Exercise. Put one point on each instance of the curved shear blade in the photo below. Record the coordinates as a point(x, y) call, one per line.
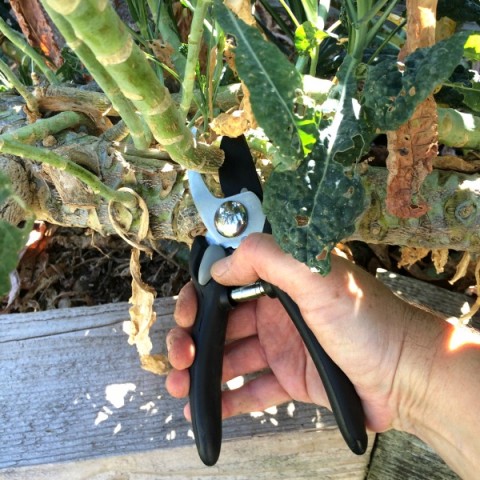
point(207, 206)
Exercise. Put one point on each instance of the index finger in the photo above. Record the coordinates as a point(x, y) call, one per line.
point(186, 306)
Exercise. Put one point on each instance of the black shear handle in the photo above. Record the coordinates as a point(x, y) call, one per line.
point(344, 400)
point(206, 372)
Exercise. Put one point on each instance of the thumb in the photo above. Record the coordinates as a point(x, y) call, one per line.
point(259, 257)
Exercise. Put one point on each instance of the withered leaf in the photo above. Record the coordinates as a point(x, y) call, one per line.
point(411, 255)
point(440, 259)
point(413, 146)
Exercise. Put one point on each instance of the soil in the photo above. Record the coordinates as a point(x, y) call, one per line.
point(68, 267)
point(71, 267)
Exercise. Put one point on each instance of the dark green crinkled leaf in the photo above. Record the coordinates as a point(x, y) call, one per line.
point(272, 81)
point(12, 240)
point(459, 10)
point(390, 96)
point(313, 208)
point(345, 135)
point(471, 97)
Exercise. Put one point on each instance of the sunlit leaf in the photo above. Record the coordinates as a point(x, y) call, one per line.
point(273, 83)
point(307, 37)
point(313, 208)
point(345, 136)
point(472, 47)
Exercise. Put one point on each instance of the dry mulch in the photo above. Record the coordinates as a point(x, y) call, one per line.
point(70, 267)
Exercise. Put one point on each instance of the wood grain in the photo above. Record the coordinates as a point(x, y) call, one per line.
point(75, 404)
point(71, 388)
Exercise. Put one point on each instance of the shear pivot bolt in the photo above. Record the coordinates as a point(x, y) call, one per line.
point(231, 219)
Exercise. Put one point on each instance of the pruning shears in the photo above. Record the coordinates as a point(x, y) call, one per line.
point(228, 220)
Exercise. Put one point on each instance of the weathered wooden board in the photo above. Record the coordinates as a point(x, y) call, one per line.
point(399, 456)
point(425, 295)
point(71, 391)
point(71, 388)
point(294, 455)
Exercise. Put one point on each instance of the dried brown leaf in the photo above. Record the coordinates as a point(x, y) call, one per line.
point(243, 9)
point(445, 28)
point(142, 317)
point(156, 363)
point(411, 150)
point(230, 124)
point(465, 318)
point(421, 25)
point(411, 255)
point(246, 106)
point(462, 268)
point(163, 52)
point(229, 55)
point(413, 146)
point(37, 29)
point(142, 313)
point(440, 259)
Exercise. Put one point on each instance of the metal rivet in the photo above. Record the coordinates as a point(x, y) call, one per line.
point(231, 219)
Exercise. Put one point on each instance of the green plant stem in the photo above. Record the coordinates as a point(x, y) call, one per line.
point(361, 30)
point(190, 6)
point(351, 11)
point(321, 18)
point(386, 41)
point(170, 36)
point(30, 100)
point(372, 12)
point(139, 132)
point(378, 24)
point(22, 45)
point(43, 155)
point(290, 13)
point(37, 131)
point(194, 43)
point(98, 25)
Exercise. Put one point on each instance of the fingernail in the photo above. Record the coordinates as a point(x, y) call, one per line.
point(220, 267)
point(169, 341)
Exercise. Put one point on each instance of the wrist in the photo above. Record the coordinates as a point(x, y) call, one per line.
point(438, 386)
point(416, 377)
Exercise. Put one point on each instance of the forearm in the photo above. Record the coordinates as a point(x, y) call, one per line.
point(443, 412)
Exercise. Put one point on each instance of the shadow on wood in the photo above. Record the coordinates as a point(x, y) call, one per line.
point(71, 389)
point(75, 404)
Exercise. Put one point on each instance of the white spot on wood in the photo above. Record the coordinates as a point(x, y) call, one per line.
point(117, 392)
point(101, 417)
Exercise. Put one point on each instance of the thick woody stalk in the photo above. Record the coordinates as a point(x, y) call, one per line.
point(99, 27)
point(11, 147)
point(140, 134)
point(452, 221)
point(37, 131)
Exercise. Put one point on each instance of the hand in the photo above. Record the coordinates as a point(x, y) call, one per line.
point(359, 322)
